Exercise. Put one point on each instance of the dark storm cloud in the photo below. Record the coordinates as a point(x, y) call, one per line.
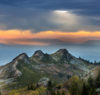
point(36, 14)
point(86, 6)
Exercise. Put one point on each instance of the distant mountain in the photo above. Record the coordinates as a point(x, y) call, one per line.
point(58, 66)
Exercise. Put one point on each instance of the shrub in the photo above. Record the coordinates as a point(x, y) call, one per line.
point(75, 85)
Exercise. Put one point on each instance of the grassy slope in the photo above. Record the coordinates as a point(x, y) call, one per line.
point(28, 76)
point(24, 91)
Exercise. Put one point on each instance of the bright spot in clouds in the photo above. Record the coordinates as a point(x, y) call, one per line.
point(61, 11)
point(65, 19)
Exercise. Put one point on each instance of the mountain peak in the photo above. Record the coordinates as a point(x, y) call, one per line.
point(38, 53)
point(23, 57)
point(10, 70)
point(64, 51)
point(62, 55)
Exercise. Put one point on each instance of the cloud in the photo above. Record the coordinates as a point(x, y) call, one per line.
point(66, 20)
point(27, 37)
point(86, 7)
point(39, 20)
point(41, 15)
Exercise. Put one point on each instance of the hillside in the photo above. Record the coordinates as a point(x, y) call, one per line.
point(59, 66)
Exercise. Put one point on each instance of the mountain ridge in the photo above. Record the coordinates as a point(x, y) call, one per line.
point(58, 66)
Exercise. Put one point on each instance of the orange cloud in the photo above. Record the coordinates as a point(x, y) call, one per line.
point(14, 36)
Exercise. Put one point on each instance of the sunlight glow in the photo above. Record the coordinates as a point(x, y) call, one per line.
point(27, 37)
point(61, 11)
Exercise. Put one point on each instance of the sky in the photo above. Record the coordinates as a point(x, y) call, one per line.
point(50, 22)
